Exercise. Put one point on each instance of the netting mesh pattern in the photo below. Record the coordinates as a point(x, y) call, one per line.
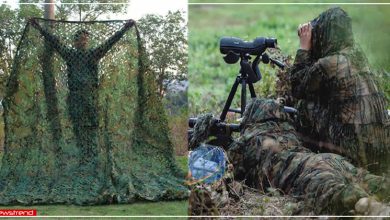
point(83, 122)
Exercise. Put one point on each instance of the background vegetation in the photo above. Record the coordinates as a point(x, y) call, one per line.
point(211, 78)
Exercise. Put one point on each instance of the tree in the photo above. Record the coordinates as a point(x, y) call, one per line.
point(87, 12)
point(166, 44)
point(11, 28)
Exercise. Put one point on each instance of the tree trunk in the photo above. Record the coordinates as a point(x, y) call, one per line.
point(49, 9)
point(49, 80)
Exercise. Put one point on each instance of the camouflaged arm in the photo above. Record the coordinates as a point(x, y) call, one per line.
point(302, 58)
point(306, 77)
point(102, 49)
point(54, 42)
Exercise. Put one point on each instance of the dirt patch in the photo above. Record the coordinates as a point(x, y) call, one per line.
point(255, 203)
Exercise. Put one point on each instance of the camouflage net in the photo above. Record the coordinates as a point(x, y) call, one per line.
point(83, 121)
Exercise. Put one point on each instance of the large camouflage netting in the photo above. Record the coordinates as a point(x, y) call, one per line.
point(83, 121)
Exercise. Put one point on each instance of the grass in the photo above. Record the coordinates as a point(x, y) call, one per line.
point(171, 208)
point(211, 78)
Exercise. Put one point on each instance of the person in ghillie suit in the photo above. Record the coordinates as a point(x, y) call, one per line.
point(269, 153)
point(341, 109)
point(341, 114)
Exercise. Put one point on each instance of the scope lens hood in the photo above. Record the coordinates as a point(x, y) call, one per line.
point(231, 57)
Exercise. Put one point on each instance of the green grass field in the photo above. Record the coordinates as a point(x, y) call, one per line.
point(211, 78)
point(171, 208)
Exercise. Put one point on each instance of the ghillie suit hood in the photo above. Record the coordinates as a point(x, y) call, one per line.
point(332, 32)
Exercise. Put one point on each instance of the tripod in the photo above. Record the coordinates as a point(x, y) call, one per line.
point(246, 77)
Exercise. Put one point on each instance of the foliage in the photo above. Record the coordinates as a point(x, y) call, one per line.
point(182, 162)
point(166, 43)
point(87, 12)
point(178, 131)
point(11, 28)
point(165, 36)
point(211, 78)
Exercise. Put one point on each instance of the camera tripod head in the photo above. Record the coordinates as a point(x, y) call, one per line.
point(238, 49)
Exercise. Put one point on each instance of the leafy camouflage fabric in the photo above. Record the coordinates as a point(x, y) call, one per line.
point(270, 154)
point(211, 199)
point(201, 130)
point(341, 108)
point(201, 203)
point(83, 121)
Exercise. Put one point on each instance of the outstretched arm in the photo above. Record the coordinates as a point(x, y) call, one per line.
point(52, 40)
point(102, 49)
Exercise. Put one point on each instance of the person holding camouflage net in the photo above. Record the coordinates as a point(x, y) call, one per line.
point(82, 70)
point(269, 154)
point(341, 109)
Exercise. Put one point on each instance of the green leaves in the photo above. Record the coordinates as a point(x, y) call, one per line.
point(166, 44)
point(88, 12)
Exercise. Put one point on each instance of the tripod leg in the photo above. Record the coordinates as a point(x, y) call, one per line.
point(252, 90)
point(243, 96)
point(230, 99)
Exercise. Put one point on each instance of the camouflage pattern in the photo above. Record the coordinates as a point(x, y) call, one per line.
point(209, 199)
point(105, 138)
point(201, 130)
point(200, 202)
point(83, 82)
point(270, 154)
point(341, 109)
